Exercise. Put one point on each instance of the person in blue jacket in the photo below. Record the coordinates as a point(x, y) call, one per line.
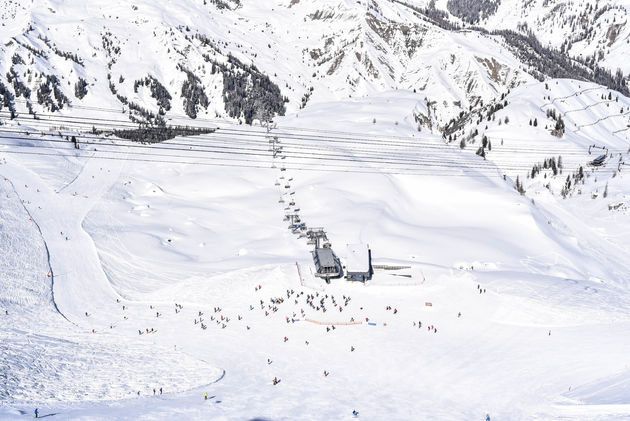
point(36, 413)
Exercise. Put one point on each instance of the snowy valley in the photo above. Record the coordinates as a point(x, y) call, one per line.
point(164, 165)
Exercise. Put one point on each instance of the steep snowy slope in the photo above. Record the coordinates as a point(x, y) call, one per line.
point(196, 59)
point(548, 135)
point(597, 31)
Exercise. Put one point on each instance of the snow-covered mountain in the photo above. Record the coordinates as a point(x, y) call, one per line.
point(150, 270)
point(597, 31)
point(225, 59)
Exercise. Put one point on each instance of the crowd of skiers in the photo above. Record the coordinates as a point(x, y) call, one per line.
point(313, 302)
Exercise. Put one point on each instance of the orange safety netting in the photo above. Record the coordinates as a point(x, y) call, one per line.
point(332, 323)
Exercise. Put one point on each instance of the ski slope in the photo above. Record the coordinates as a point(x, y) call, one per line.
point(544, 339)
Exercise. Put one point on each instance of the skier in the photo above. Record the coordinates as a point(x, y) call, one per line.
point(160, 390)
point(351, 348)
point(487, 417)
point(36, 413)
point(205, 396)
point(355, 412)
point(269, 361)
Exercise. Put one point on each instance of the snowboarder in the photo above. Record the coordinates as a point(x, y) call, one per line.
point(351, 348)
point(487, 417)
point(205, 396)
point(269, 361)
point(275, 381)
point(355, 412)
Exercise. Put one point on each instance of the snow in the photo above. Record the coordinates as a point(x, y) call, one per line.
point(552, 317)
point(111, 256)
point(357, 258)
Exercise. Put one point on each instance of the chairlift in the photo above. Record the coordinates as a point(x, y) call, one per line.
point(604, 148)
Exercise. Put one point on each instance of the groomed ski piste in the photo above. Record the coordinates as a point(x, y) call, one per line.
point(110, 262)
